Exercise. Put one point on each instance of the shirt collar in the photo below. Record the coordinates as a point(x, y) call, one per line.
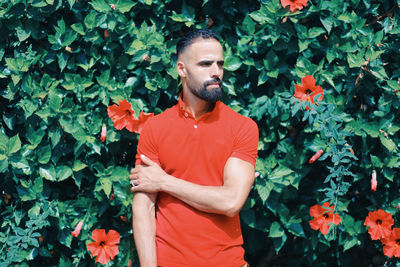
point(187, 114)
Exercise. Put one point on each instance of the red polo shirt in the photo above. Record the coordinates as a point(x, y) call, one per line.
point(196, 151)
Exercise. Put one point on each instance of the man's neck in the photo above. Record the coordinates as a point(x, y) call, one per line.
point(196, 106)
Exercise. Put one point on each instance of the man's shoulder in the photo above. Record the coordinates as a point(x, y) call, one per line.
point(164, 117)
point(237, 118)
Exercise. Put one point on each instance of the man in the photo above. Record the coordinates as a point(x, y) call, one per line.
point(194, 169)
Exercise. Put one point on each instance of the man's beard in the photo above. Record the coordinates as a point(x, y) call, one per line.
point(212, 95)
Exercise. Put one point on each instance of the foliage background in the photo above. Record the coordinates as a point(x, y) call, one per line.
point(62, 63)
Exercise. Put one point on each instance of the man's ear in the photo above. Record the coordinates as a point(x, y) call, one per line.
point(180, 68)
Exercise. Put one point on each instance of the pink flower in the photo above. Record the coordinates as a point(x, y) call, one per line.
point(77, 230)
point(103, 134)
point(112, 6)
point(374, 182)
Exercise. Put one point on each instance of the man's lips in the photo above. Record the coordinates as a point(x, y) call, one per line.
point(215, 84)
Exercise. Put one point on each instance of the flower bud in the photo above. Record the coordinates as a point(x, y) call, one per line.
point(316, 156)
point(374, 182)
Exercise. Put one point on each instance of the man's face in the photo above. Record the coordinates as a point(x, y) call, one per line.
point(203, 61)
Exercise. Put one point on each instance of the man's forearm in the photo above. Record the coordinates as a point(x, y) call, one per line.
point(214, 199)
point(144, 228)
point(226, 199)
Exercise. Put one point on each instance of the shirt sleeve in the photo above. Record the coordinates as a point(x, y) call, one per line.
point(147, 143)
point(246, 141)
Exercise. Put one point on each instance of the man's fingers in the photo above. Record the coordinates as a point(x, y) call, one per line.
point(146, 160)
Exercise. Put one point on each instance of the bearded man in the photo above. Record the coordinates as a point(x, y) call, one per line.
point(194, 168)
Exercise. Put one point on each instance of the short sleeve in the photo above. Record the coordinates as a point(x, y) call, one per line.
point(246, 141)
point(148, 143)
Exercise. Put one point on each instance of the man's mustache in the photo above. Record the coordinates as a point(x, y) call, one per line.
point(215, 80)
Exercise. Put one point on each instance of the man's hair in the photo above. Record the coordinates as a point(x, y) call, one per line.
point(191, 36)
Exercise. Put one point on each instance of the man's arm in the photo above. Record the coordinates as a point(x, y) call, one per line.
point(227, 199)
point(144, 227)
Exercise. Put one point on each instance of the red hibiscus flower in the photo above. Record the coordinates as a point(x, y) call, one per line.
point(104, 247)
point(308, 90)
point(391, 244)
point(123, 117)
point(294, 4)
point(380, 223)
point(323, 216)
point(103, 134)
point(143, 117)
point(78, 229)
point(374, 182)
point(316, 156)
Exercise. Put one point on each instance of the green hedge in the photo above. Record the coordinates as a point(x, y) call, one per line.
point(63, 63)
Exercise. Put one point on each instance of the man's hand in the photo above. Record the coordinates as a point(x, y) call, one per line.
point(147, 177)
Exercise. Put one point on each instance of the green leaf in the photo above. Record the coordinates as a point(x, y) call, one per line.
point(315, 32)
point(262, 78)
point(48, 172)
point(78, 27)
point(22, 34)
point(372, 129)
point(100, 5)
point(71, 3)
point(376, 162)
point(78, 165)
point(106, 185)
point(279, 242)
point(276, 230)
point(279, 172)
point(55, 101)
point(355, 60)
point(327, 23)
point(44, 154)
point(14, 144)
point(232, 63)
point(351, 243)
point(388, 143)
point(39, 3)
point(125, 5)
point(63, 172)
point(264, 190)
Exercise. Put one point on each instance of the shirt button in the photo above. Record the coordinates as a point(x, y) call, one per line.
point(195, 126)
point(186, 115)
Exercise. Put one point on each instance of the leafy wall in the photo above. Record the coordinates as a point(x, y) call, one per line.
point(63, 63)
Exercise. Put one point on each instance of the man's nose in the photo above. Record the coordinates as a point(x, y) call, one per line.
point(216, 71)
